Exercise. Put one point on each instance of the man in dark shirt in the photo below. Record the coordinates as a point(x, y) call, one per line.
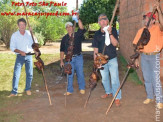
point(77, 59)
point(110, 50)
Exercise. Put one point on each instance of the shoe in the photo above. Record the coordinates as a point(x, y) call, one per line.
point(147, 101)
point(117, 102)
point(67, 93)
point(106, 95)
point(159, 105)
point(28, 92)
point(12, 95)
point(82, 91)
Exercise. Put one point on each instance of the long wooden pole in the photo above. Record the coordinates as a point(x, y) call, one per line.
point(69, 62)
point(124, 79)
point(46, 87)
point(42, 70)
point(28, 21)
point(112, 19)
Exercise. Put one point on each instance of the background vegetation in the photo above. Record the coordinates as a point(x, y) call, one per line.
point(51, 28)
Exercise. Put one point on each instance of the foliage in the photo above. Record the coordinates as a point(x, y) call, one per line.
point(40, 38)
point(91, 9)
point(52, 28)
point(7, 25)
point(94, 27)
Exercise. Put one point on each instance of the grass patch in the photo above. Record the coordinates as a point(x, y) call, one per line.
point(7, 62)
point(132, 73)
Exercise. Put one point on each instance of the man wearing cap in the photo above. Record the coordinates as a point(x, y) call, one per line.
point(77, 59)
point(150, 58)
point(108, 36)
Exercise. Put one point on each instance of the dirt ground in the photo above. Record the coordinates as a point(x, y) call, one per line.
point(132, 108)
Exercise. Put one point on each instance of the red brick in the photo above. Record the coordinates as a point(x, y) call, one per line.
point(148, 1)
point(161, 63)
point(146, 7)
point(161, 75)
point(161, 55)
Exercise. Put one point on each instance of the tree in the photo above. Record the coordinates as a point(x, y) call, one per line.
point(51, 28)
point(8, 24)
point(91, 9)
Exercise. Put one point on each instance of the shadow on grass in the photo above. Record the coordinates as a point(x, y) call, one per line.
point(132, 75)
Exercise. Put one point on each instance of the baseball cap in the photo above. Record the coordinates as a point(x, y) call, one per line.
point(149, 14)
point(68, 23)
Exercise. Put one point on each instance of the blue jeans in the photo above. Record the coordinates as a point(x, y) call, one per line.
point(77, 64)
point(151, 72)
point(20, 60)
point(113, 85)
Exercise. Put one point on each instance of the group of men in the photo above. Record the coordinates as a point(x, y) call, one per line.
point(21, 43)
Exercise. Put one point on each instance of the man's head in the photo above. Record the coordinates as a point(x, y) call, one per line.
point(21, 24)
point(146, 18)
point(103, 20)
point(69, 27)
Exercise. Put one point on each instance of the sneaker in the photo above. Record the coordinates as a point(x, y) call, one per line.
point(159, 105)
point(106, 95)
point(117, 102)
point(12, 95)
point(147, 101)
point(82, 91)
point(67, 93)
point(28, 92)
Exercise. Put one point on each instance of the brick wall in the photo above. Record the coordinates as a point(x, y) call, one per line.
point(131, 12)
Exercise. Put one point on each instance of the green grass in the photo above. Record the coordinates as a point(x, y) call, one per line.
point(7, 62)
point(132, 76)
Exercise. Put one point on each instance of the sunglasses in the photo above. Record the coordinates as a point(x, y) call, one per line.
point(103, 19)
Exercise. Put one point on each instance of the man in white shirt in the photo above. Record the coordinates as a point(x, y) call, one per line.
point(21, 43)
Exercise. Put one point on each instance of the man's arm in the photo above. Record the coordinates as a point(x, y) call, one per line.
point(61, 59)
point(112, 38)
point(20, 52)
point(95, 52)
point(62, 51)
point(80, 24)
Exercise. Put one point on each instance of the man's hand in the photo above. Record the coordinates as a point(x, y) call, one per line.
point(137, 63)
point(157, 6)
point(62, 64)
point(22, 53)
point(110, 30)
point(30, 29)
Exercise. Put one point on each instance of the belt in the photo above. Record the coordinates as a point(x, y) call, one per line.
point(28, 53)
point(76, 55)
point(153, 53)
